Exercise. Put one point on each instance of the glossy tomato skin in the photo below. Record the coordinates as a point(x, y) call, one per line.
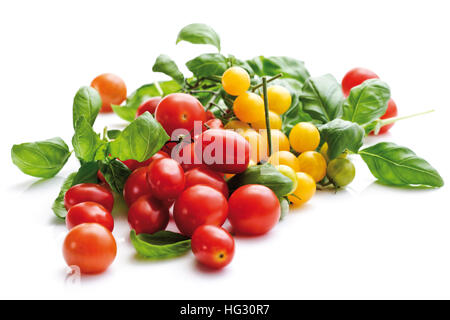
point(133, 164)
point(89, 192)
point(212, 246)
point(166, 178)
point(136, 186)
point(148, 105)
point(86, 212)
point(91, 247)
point(187, 158)
point(355, 77)
point(148, 215)
point(223, 150)
point(179, 111)
point(391, 112)
point(208, 178)
point(112, 90)
point(199, 205)
point(253, 210)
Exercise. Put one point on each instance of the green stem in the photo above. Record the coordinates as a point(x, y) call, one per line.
point(266, 113)
point(384, 122)
point(214, 78)
point(202, 91)
point(105, 131)
point(158, 87)
point(254, 88)
point(213, 99)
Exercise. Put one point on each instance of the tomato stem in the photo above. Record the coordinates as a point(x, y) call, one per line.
point(254, 88)
point(158, 87)
point(383, 122)
point(266, 113)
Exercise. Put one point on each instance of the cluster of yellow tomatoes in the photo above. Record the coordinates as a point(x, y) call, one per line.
point(305, 169)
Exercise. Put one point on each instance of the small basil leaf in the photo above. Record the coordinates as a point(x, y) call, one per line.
point(167, 66)
point(367, 102)
point(289, 67)
point(86, 143)
point(341, 135)
point(322, 98)
point(42, 159)
point(160, 245)
point(113, 134)
point(266, 175)
point(87, 173)
point(284, 204)
point(243, 64)
point(128, 111)
point(208, 64)
point(58, 205)
point(87, 104)
point(140, 140)
point(394, 165)
point(199, 33)
point(116, 174)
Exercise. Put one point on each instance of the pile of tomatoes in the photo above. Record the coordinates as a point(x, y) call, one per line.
point(183, 182)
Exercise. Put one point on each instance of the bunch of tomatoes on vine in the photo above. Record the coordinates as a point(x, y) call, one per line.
point(238, 141)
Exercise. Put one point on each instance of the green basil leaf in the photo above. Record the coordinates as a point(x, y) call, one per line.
point(116, 174)
point(87, 104)
point(87, 173)
point(128, 111)
point(199, 33)
point(42, 159)
point(58, 205)
point(208, 64)
point(160, 245)
point(113, 134)
point(86, 143)
point(241, 63)
point(284, 204)
point(140, 140)
point(322, 98)
point(264, 174)
point(341, 135)
point(289, 67)
point(367, 102)
point(167, 66)
point(394, 165)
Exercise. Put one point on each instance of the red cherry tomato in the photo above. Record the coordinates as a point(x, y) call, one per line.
point(223, 150)
point(208, 178)
point(101, 177)
point(253, 209)
point(179, 111)
point(354, 78)
point(187, 158)
point(89, 192)
point(199, 205)
point(133, 164)
point(91, 247)
point(88, 211)
point(212, 246)
point(166, 178)
point(136, 186)
point(210, 115)
point(148, 215)
point(213, 124)
point(391, 112)
point(148, 105)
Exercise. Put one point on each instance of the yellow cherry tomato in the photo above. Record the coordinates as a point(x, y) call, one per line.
point(306, 188)
point(237, 125)
point(249, 107)
point(274, 119)
point(324, 153)
point(279, 142)
point(254, 139)
point(314, 164)
point(285, 158)
point(290, 173)
point(235, 81)
point(279, 99)
point(304, 136)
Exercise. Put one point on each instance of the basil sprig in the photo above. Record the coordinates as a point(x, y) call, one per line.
point(160, 245)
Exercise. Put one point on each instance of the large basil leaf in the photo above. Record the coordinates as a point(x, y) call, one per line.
point(86, 143)
point(394, 165)
point(264, 174)
point(58, 205)
point(208, 64)
point(87, 104)
point(367, 102)
point(116, 174)
point(199, 33)
point(42, 159)
point(167, 66)
point(140, 140)
point(289, 67)
point(341, 135)
point(160, 245)
point(322, 98)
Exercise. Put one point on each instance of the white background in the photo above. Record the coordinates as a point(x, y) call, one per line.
point(368, 241)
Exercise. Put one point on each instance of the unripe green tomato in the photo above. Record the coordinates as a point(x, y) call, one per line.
point(290, 173)
point(341, 171)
